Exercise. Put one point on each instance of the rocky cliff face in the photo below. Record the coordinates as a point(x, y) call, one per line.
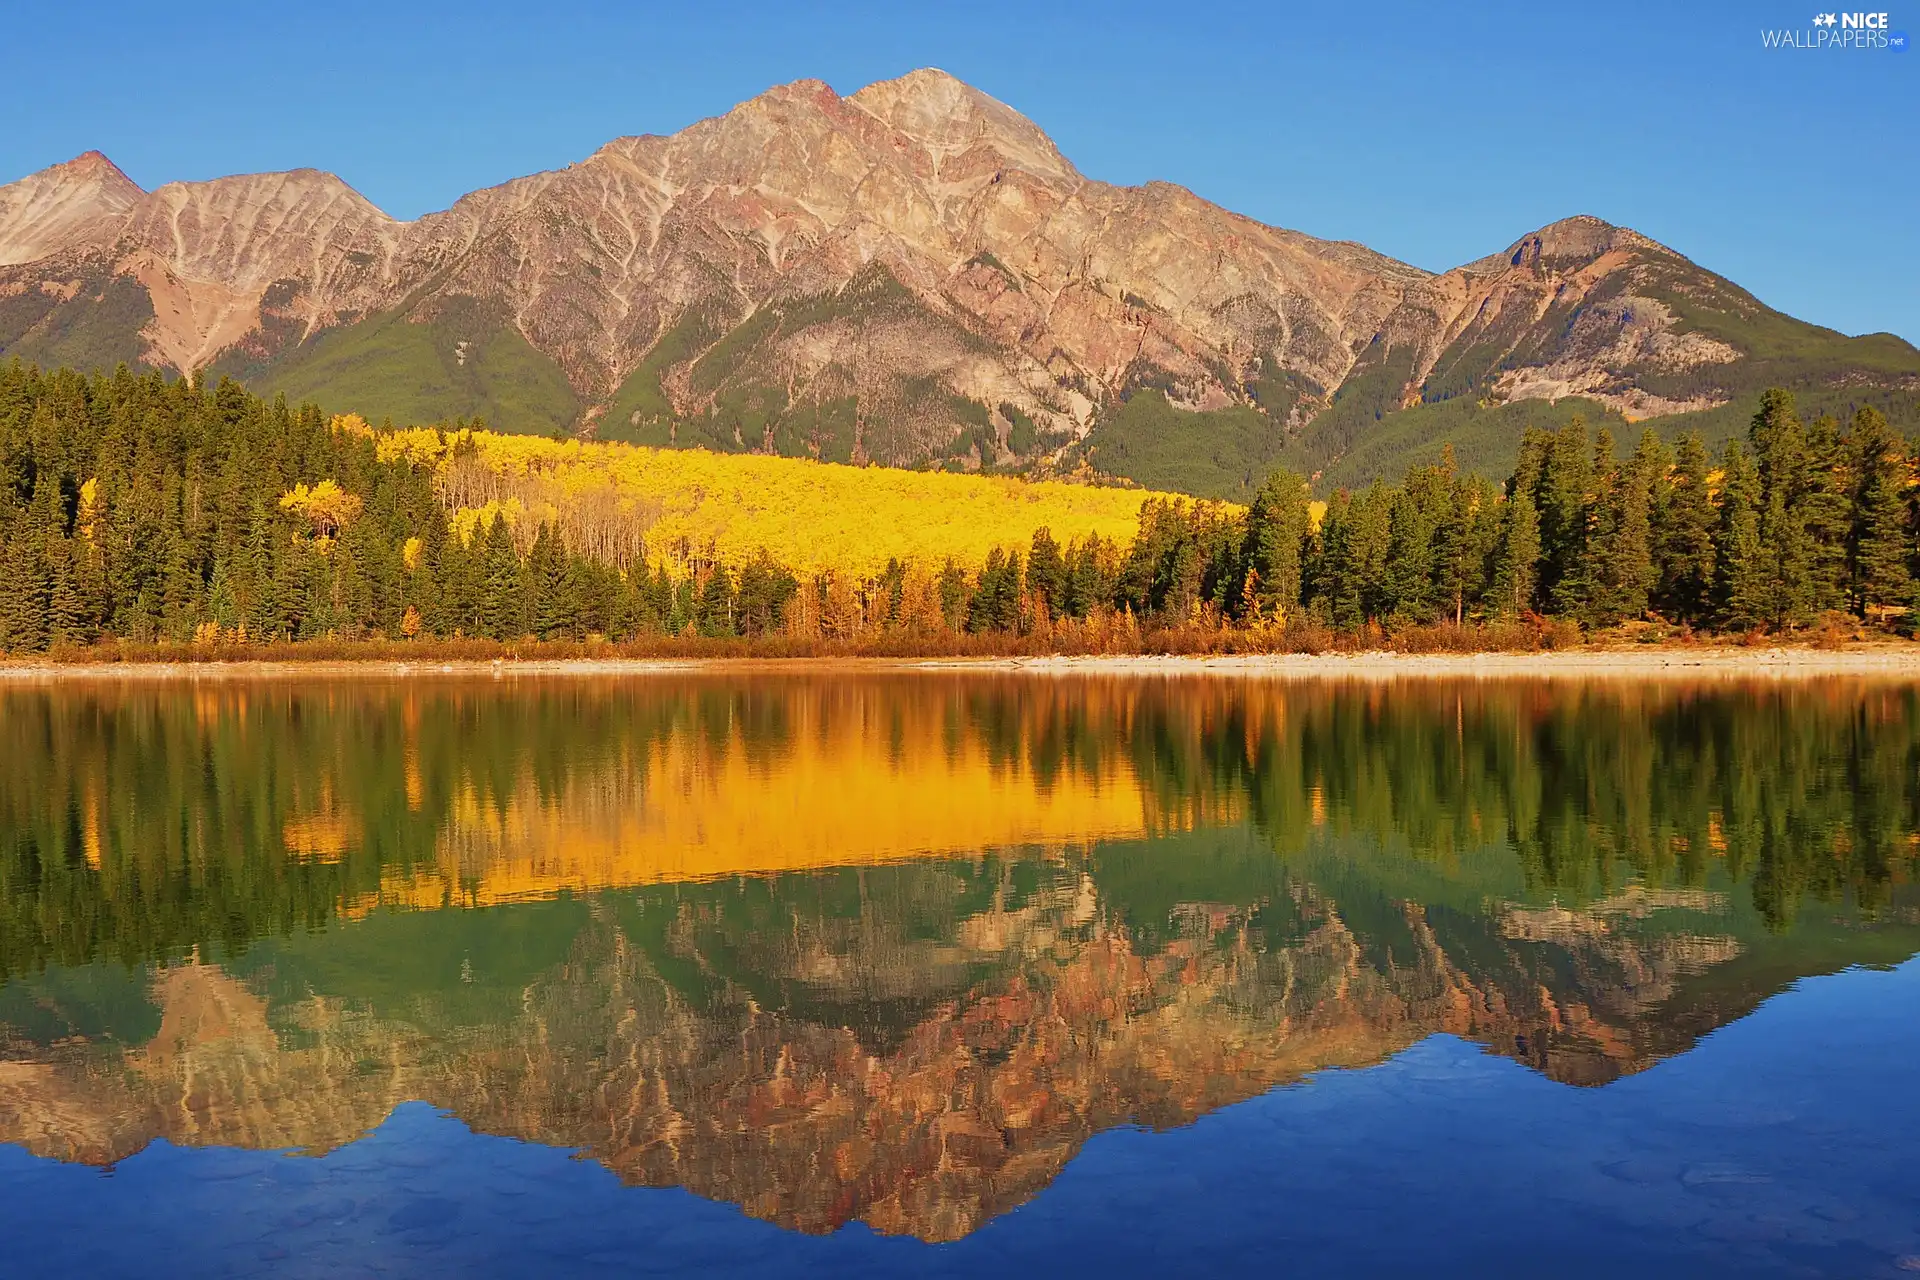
point(910, 273)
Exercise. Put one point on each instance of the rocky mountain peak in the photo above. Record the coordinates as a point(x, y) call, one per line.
point(42, 212)
point(949, 117)
point(1580, 239)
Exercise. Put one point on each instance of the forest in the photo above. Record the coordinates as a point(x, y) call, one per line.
point(137, 509)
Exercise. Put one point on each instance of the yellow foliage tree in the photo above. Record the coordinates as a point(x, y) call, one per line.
point(691, 505)
point(326, 506)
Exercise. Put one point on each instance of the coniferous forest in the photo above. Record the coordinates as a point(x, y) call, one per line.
point(149, 511)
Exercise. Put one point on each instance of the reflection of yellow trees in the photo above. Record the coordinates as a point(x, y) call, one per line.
point(850, 784)
point(137, 821)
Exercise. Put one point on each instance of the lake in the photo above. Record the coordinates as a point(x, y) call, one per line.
point(958, 974)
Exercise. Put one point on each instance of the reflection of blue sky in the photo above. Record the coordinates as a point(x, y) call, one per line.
point(1782, 1143)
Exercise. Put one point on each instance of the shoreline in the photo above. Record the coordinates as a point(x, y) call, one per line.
point(1897, 662)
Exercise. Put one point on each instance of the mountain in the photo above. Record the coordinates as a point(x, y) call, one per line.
point(949, 1034)
point(910, 275)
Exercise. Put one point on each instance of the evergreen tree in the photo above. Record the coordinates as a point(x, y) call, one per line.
point(1619, 571)
point(1743, 586)
point(1414, 515)
point(766, 589)
point(1878, 541)
point(1276, 528)
point(1561, 495)
point(1780, 451)
point(547, 607)
point(66, 607)
point(713, 611)
point(1683, 535)
point(952, 586)
point(1463, 547)
point(996, 599)
point(503, 600)
point(1364, 585)
point(28, 596)
point(1517, 560)
point(1824, 500)
point(1046, 574)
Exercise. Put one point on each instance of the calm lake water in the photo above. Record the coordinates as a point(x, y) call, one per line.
point(959, 975)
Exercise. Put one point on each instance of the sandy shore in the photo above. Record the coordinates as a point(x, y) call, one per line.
point(1880, 661)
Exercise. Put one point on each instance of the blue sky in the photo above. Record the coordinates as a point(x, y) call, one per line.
point(1435, 133)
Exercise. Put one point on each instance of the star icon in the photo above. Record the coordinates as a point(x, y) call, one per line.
point(1824, 20)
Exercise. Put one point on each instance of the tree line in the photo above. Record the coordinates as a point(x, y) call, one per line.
point(138, 507)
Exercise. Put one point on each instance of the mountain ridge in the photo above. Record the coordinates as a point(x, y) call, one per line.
point(911, 274)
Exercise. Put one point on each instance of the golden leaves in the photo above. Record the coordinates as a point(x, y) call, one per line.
point(812, 516)
point(327, 506)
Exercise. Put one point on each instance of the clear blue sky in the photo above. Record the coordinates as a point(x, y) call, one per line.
point(1432, 132)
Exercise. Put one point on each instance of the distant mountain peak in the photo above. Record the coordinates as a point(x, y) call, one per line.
point(95, 164)
point(60, 204)
point(1580, 238)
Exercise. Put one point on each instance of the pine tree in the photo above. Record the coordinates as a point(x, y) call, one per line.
point(1824, 500)
point(1878, 541)
point(953, 595)
point(66, 607)
point(1415, 515)
point(1046, 574)
point(547, 606)
point(1561, 497)
point(1743, 570)
point(1619, 570)
point(1780, 450)
point(503, 601)
point(1683, 535)
point(766, 588)
point(1276, 528)
point(996, 597)
point(713, 611)
point(1517, 558)
point(1364, 574)
point(25, 604)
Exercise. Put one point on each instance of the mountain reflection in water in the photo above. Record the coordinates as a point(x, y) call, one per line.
point(893, 948)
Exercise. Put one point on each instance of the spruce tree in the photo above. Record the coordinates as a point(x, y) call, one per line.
point(1683, 535)
point(1878, 541)
point(713, 610)
point(1046, 574)
point(1562, 498)
point(1328, 580)
point(1780, 452)
point(503, 608)
point(1276, 528)
point(25, 604)
point(546, 569)
point(1463, 545)
point(66, 607)
point(1517, 559)
point(1743, 571)
point(1619, 570)
point(1364, 584)
point(1825, 505)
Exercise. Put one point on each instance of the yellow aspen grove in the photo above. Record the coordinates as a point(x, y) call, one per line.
point(607, 500)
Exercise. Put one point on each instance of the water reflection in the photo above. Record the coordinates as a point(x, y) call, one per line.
point(892, 949)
